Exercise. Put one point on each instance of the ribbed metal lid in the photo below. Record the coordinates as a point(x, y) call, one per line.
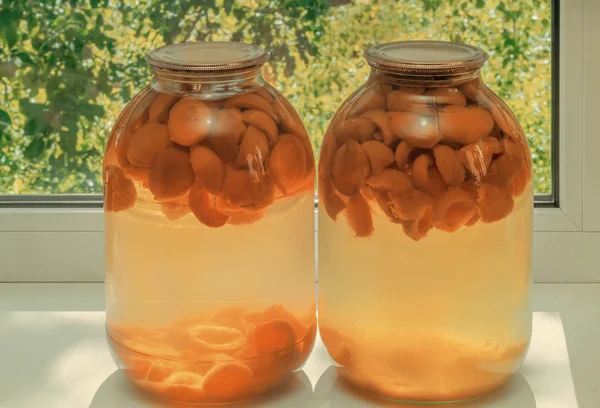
point(426, 57)
point(209, 57)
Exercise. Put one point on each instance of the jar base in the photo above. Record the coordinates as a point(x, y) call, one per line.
point(243, 380)
point(418, 398)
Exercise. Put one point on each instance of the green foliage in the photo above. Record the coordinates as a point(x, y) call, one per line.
point(67, 67)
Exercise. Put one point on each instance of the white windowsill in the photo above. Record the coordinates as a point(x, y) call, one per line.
point(54, 354)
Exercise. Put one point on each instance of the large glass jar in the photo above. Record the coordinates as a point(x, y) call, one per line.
point(209, 209)
point(425, 227)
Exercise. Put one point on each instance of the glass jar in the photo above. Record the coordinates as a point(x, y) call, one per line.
point(209, 212)
point(425, 227)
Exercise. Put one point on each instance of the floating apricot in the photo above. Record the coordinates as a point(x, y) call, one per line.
point(380, 156)
point(119, 192)
point(184, 386)
point(241, 187)
point(494, 203)
point(410, 205)
point(453, 210)
point(176, 209)
point(201, 206)
point(367, 192)
point(215, 338)
point(391, 180)
point(147, 143)
point(464, 124)
point(405, 99)
point(289, 120)
point(402, 153)
point(208, 168)
point(190, 121)
point(446, 96)
point(381, 119)
point(505, 167)
point(368, 100)
point(472, 89)
point(254, 148)
point(137, 173)
point(427, 177)
point(360, 129)
point(520, 181)
point(328, 149)
point(226, 132)
point(419, 129)
point(171, 175)
point(418, 228)
point(227, 381)
point(287, 165)
point(159, 109)
point(265, 94)
point(358, 214)
point(330, 198)
point(350, 168)
point(251, 101)
point(477, 157)
point(262, 121)
point(449, 165)
point(383, 200)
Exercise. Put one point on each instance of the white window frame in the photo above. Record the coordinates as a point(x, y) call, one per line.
point(67, 244)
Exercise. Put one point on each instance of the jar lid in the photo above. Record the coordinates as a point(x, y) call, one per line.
point(208, 57)
point(426, 57)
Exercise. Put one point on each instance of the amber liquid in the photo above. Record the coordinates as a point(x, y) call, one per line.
point(165, 277)
point(446, 318)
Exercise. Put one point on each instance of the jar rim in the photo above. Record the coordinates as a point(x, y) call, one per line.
point(425, 57)
point(207, 57)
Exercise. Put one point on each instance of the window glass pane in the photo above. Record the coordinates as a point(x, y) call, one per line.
point(69, 67)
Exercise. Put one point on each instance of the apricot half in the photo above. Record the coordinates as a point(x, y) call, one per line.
point(227, 381)
point(494, 203)
point(380, 156)
point(159, 109)
point(251, 101)
point(254, 148)
point(226, 133)
point(201, 206)
point(147, 144)
point(262, 121)
point(350, 168)
point(464, 124)
point(208, 168)
point(453, 210)
point(243, 188)
point(190, 121)
point(446, 96)
point(358, 214)
point(171, 175)
point(449, 165)
point(119, 192)
point(328, 195)
point(287, 164)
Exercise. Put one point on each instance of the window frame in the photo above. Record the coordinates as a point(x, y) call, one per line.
point(64, 241)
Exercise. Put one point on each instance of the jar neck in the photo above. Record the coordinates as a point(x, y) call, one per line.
point(215, 85)
point(403, 79)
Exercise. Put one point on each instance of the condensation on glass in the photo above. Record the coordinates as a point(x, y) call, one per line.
point(209, 208)
point(425, 227)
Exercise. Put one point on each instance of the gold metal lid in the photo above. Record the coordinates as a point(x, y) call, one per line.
point(207, 57)
point(426, 57)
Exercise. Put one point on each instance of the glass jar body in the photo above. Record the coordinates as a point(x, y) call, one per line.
point(425, 227)
point(210, 299)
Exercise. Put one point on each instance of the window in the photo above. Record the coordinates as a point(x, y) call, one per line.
point(68, 67)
